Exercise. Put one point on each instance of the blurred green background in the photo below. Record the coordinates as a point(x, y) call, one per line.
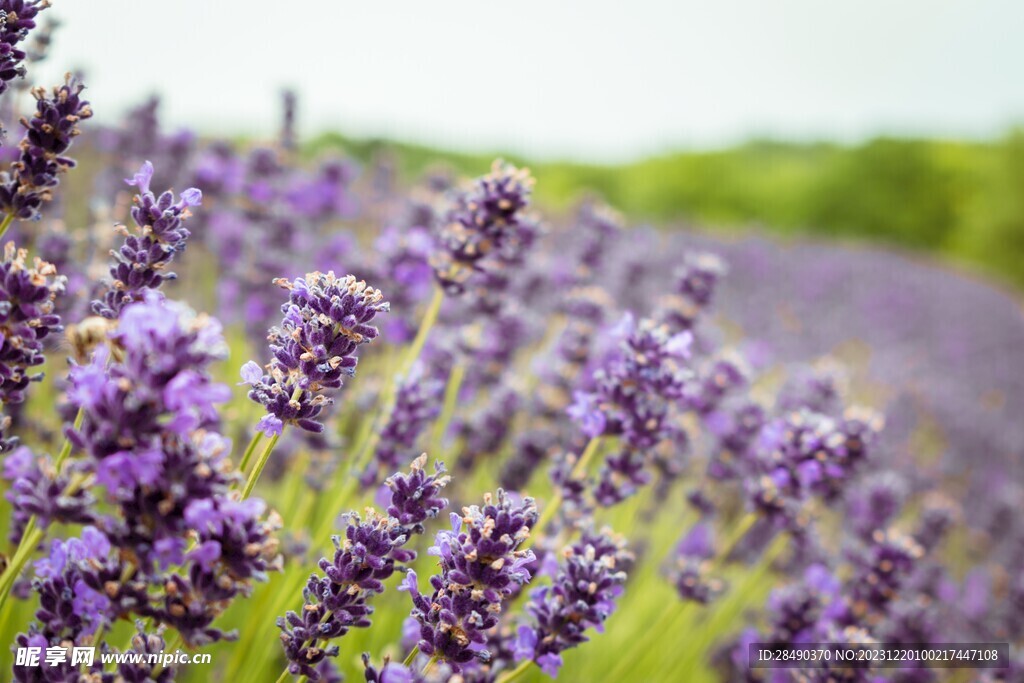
point(961, 201)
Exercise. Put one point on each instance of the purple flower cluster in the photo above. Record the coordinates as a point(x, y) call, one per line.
point(81, 589)
point(48, 136)
point(691, 572)
point(485, 223)
point(325, 321)
point(150, 385)
point(140, 264)
point(805, 454)
point(27, 318)
point(482, 563)
point(582, 596)
point(364, 558)
point(637, 385)
point(148, 437)
point(417, 403)
point(695, 283)
point(17, 18)
point(37, 489)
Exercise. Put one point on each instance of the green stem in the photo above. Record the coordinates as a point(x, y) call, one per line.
point(429, 665)
point(284, 676)
point(674, 611)
point(429, 318)
point(451, 399)
point(523, 667)
point(243, 464)
point(29, 540)
point(257, 468)
point(33, 536)
point(6, 224)
point(578, 470)
point(412, 656)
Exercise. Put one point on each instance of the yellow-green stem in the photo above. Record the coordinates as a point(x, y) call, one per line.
point(6, 224)
point(243, 464)
point(451, 399)
point(429, 318)
point(257, 468)
point(412, 656)
point(429, 665)
point(518, 672)
point(29, 540)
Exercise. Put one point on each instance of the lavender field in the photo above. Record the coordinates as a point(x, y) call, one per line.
point(322, 420)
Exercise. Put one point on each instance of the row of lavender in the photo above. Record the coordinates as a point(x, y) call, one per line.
point(584, 349)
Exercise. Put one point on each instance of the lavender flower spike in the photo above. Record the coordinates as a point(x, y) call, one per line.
point(582, 596)
point(140, 265)
point(326, 319)
point(485, 221)
point(48, 136)
point(482, 564)
point(368, 554)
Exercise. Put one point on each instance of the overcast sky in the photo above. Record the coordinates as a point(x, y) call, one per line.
point(593, 79)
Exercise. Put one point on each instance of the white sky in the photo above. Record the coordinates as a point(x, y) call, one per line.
point(593, 79)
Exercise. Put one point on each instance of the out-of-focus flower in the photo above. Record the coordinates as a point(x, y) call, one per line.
point(17, 18)
point(417, 403)
point(484, 223)
point(36, 489)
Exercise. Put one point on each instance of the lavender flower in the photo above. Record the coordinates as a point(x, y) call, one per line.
point(339, 600)
point(368, 554)
point(417, 403)
point(582, 596)
point(696, 281)
point(637, 385)
point(690, 575)
point(235, 547)
point(27, 318)
point(17, 18)
point(37, 489)
point(482, 563)
point(145, 670)
point(415, 496)
point(484, 223)
point(807, 454)
point(140, 264)
point(158, 383)
point(880, 569)
point(81, 589)
point(325, 321)
point(48, 136)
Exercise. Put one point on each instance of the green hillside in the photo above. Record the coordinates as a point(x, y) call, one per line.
point(961, 200)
